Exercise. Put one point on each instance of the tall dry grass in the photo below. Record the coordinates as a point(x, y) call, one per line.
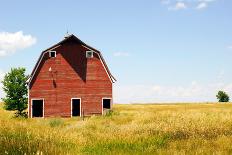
point(130, 129)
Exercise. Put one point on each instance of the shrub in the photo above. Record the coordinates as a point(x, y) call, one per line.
point(110, 113)
point(223, 96)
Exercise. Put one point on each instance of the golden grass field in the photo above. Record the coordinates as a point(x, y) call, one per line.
point(130, 129)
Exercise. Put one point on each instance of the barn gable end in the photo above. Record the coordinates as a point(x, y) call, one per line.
point(74, 39)
point(70, 78)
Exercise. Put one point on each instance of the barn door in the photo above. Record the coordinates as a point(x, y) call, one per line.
point(37, 108)
point(76, 107)
point(106, 103)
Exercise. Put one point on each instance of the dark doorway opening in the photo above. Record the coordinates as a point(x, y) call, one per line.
point(106, 104)
point(37, 108)
point(76, 107)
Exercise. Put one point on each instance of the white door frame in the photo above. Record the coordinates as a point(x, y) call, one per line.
point(80, 106)
point(33, 99)
point(28, 101)
point(110, 103)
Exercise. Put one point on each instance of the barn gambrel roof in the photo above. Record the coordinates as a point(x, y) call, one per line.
point(69, 37)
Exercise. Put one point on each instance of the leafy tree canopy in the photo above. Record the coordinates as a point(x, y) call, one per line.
point(223, 96)
point(14, 85)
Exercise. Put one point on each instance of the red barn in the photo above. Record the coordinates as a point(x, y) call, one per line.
point(69, 79)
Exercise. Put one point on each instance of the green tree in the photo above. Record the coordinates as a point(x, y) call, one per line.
point(223, 96)
point(14, 85)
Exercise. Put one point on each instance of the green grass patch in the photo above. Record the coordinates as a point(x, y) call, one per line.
point(56, 122)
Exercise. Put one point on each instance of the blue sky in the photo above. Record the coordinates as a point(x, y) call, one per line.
point(159, 50)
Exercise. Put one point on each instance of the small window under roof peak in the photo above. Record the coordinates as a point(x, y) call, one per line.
point(89, 54)
point(52, 54)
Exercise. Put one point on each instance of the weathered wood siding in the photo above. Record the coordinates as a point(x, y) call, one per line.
point(72, 76)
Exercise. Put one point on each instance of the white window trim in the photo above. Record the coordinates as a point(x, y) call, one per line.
point(91, 54)
point(80, 106)
point(110, 103)
point(50, 54)
point(32, 104)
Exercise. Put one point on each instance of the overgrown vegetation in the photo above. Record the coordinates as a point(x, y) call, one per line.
point(129, 129)
point(56, 122)
point(14, 85)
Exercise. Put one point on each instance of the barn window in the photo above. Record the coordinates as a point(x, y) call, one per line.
point(89, 54)
point(52, 54)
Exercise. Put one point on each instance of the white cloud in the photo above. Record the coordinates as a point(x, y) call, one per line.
point(202, 5)
point(178, 6)
point(2, 74)
point(194, 92)
point(121, 54)
point(12, 42)
point(185, 4)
